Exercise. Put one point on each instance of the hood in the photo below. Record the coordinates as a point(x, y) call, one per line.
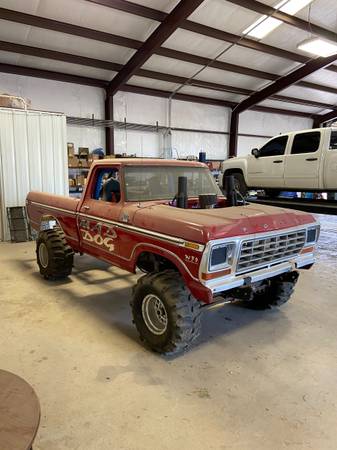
point(203, 225)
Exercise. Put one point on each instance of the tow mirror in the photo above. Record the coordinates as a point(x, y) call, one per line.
point(256, 152)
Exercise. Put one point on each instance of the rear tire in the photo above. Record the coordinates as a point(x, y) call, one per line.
point(54, 255)
point(165, 313)
point(278, 292)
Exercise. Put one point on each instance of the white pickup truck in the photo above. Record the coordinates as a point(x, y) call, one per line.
point(297, 161)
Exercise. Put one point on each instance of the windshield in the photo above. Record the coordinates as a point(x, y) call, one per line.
point(143, 183)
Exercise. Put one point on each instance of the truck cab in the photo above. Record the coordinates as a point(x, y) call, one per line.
point(297, 161)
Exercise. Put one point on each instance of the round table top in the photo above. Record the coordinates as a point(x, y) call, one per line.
point(19, 413)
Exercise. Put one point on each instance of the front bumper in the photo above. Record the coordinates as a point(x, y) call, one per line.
point(219, 285)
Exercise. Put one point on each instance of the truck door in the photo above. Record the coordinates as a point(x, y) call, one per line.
point(99, 213)
point(303, 162)
point(268, 169)
point(330, 164)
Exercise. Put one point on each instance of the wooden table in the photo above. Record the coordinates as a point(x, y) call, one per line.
point(19, 413)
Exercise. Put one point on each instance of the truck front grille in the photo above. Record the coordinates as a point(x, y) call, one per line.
point(261, 252)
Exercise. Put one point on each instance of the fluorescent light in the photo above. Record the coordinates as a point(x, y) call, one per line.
point(318, 46)
point(264, 25)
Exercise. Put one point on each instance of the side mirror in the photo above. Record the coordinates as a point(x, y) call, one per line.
point(256, 152)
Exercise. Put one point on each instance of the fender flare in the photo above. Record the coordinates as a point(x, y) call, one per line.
point(168, 254)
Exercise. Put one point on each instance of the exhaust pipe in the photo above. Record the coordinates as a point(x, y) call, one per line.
point(182, 193)
point(229, 186)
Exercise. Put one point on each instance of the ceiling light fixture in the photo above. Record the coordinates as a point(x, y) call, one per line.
point(264, 25)
point(318, 46)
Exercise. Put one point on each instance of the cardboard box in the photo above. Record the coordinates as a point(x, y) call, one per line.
point(73, 161)
point(12, 101)
point(71, 149)
point(83, 152)
point(80, 180)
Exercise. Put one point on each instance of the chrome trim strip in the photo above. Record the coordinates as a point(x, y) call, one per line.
point(55, 208)
point(166, 237)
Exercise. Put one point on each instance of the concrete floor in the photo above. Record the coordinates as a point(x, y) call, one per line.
point(256, 380)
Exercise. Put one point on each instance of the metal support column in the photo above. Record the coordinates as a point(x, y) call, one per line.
point(233, 134)
point(109, 131)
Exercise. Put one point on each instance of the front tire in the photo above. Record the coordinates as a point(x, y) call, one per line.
point(165, 313)
point(54, 256)
point(278, 291)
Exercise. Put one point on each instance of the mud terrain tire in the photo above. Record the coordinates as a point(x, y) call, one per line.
point(278, 292)
point(165, 313)
point(54, 256)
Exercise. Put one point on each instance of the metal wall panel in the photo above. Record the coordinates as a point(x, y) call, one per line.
point(33, 156)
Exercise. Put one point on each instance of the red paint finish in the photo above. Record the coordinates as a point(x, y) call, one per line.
point(119, 232)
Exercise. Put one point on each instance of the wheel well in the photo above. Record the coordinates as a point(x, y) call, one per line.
point(152, 262)
point(232, 172)
point(48, 222)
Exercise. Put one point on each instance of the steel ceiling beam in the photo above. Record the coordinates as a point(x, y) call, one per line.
point(57, 76)
point(111, 66)
point(50, 75)
point(75, 30)
point(168, 26)
point(322, 119)
point(154, 14)
point(285, 81)
point(293, 21)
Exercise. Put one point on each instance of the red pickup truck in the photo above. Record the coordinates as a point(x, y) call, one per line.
point(170, 220)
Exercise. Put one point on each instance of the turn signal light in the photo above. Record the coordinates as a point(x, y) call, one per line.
point(212, 275)
point(307, 250)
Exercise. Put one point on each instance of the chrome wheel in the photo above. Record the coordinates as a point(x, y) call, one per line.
point(154, 314)
point(43, 255)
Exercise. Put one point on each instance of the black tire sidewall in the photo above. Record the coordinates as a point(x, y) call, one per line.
point(158, 342)
point(60, 254)
point(43, 239)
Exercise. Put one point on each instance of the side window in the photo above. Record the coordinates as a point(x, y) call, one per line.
point(333, 140)
point(306, 143)
point(274, 147)
point(107, 186)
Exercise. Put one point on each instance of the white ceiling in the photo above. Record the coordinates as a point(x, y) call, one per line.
point(220, 14)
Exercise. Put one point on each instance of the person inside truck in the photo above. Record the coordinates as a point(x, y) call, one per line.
point(111, 189)
point(107, 186)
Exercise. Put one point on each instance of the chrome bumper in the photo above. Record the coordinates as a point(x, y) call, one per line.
point(228, 282)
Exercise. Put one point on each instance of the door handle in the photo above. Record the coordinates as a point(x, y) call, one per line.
point(278, 161)
point(311, 159)
point(86, 207)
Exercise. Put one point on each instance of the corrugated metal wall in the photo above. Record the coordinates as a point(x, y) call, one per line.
point(33, 156)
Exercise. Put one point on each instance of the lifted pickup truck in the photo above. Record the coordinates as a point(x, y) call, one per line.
point(169, 219)
point(297, 161)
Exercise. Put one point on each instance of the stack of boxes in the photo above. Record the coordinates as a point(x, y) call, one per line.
point(78, 161)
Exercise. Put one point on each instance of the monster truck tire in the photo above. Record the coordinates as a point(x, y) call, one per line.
point(54, 255)
point(165, 313)
point(278, 292)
